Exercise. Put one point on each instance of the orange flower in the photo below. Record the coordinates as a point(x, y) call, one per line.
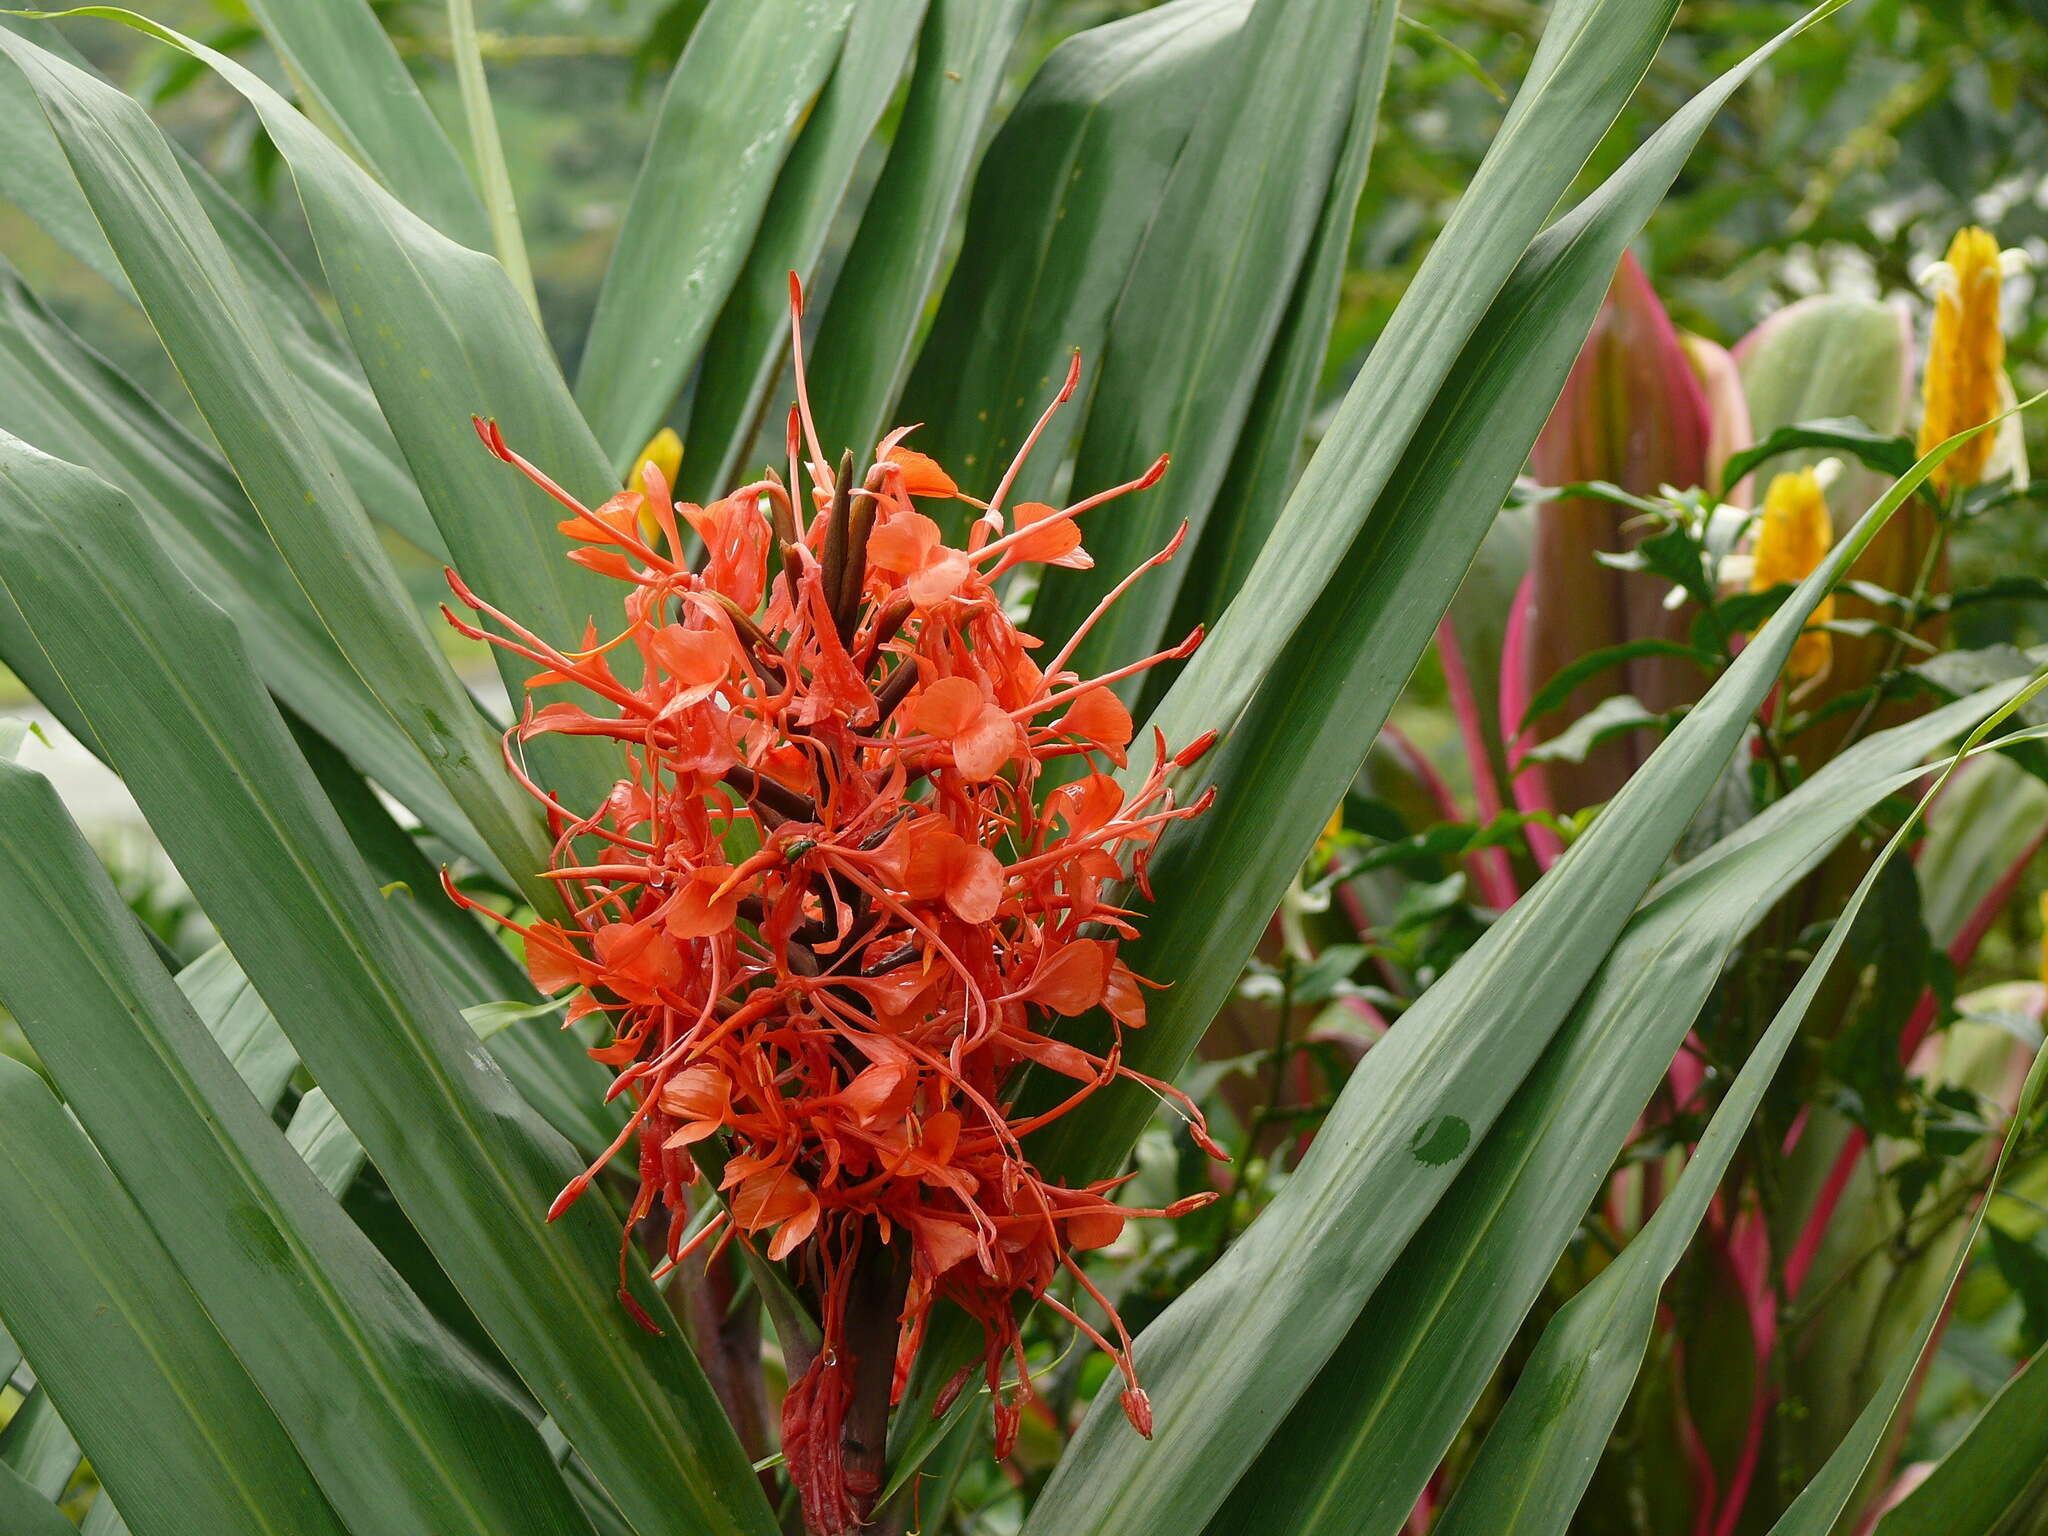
point(833, 1012)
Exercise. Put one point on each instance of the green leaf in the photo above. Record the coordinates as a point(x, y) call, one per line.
point(265, 425)
point(353, 82)
point(396, 1426)
point(1984, 826)
point(1611, 717)
point(1230, 1356)
point(25, 1512)
point(1059, 209)
point(488, 151)
point(1296, 722)
point(865, 341)
point(240, 1024)
point(1269, 449)
point(1567, 679)
point(442, 335)
point(70, 402)
point(1824, 1500)
point(727, 119)
point(38, 1447)
point(37, 178)
point(1884, 452)
point(118, 1341)
point(1362, 1443)
point(1991, 1474)
point(1205, 299)
point(323, 1139)
point(746, 348)
point(214, 769)
point(1535, 1463)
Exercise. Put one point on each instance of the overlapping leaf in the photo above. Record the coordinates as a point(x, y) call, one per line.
point(400, 1431)
point(171, 1420)
point(1207, 294)
point(751, 339)
point(265, 425)
point(1362, 1443)
point(866, 340)
point(731, 110)
point(69, 401)
point(234, 805)
point(1060, 207)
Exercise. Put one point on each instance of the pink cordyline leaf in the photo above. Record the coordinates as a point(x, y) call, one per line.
point(1633, 412)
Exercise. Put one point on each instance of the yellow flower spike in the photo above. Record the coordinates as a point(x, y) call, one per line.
point(1794, 536)
point(664, 451)
point(1966, 358)
point(2044, 940)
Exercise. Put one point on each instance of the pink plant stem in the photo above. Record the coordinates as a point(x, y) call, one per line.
point(1491, 872)
point(1706, 1486)
point(1527, 785)
point(1746, 1252)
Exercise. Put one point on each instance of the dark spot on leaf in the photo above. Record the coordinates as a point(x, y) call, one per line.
point(1439, 1139)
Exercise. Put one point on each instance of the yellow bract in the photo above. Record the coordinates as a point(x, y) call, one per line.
point(1795, 535)
point(664, 451)
point(1966, 359)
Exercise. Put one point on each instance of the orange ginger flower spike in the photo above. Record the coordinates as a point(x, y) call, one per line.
point(841, 1013)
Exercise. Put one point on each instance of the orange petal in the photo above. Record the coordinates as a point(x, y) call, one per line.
point(921, 475)
point(695, 659)
point(940, 578)
point(697, 912)
point(1094, 1229)
point(1098, 716)
point(1055, 541)
point(974, 882)
point(697, 1093)
point(980, 751)
point(903, 543)
point(1073, 981)
point(551, 960)
point(1123, 997)
point(948, 707)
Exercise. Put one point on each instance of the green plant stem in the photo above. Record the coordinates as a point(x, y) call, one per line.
point(489, 152)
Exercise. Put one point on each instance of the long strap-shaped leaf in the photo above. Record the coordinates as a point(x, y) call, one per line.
point(1288, 759)
point(400, 1432)
point(235, 1015)
point(169, 1417)
point(1060, 206)
point(747, 346)
point(265, 425)
point(727, 119)
point(352, 80)
point(214, 769)
point(25, 1512)
point(69, 401)
point(865, 342)
point(1365, 1439)
point(1541, 1452)
point(36, 177)
point(1269, 448)
point(1988, 1476)
point(1228, 1359)
point(1206, 297)
point(38, 1447)
point(443, 335)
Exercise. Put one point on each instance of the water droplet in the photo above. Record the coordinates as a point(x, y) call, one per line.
point(1439, 1139)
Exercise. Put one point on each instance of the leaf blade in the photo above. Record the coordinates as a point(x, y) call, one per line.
point(215, 1455)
